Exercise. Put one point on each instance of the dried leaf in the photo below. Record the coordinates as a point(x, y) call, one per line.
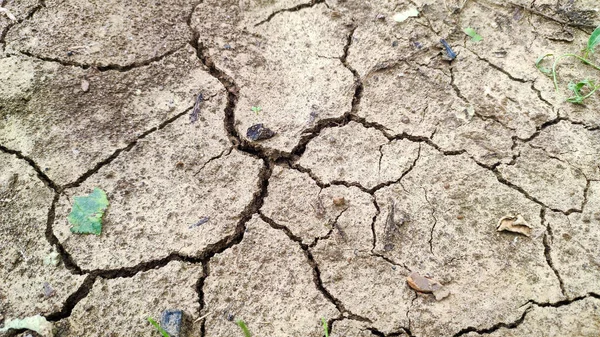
point(403, 16)
point(515, 224)
point(35, 323)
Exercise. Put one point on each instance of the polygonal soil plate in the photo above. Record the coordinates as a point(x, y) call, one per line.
point(266, 281)
point(290, 66)
point(121, 306)
point(440, 221)
point(161, 192)
point(48, 117)
point(580, 318)
point(356, 154)
point(107, 34)
point(34, 281)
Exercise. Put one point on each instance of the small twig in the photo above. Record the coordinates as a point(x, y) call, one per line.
point(203, 317)
point(196, 110)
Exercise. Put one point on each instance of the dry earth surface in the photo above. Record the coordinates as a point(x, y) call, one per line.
point(388, 161)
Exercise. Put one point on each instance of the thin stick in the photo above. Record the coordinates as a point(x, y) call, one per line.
point(203, 317)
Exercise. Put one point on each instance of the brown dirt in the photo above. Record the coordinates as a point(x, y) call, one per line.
point(387, 160)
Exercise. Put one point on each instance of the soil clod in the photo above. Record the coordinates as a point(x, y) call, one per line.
point(339, 201)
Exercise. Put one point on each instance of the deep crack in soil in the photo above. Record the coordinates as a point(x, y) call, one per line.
point(271, 158)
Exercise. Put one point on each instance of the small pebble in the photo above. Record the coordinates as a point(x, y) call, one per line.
point(380, 17)
point(422, 284)
point(85, 85)
point(171, 320)
point(259, 132)
point(395, 44)
point(48, 291)
point(460, 217)
point(52, 259)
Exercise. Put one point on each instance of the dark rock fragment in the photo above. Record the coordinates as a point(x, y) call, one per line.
point(171, 321)
point(259, 132)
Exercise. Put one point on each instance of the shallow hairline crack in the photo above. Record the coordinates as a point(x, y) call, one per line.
point(536, 12)
point(314, 266)
point(223, 153)
point(548, 251)
point(29, 15)
point(40, 173)
point(334, 225)
point(564, 161)
point(496, 326)
point(296, 8)
point(522, 191)
point(434, 222)
point(484, 118)
point(126, 148)
point(516, 79)
point(102, 68)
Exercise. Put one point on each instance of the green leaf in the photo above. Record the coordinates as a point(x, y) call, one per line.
point(244, 328)
point(473, 34)
point(86, 214)
point(578, 96)
point(594, 40)
point(157, 326)
point(325, 326)
point(538, 65)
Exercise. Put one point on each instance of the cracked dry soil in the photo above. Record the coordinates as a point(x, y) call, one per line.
point(427, 155)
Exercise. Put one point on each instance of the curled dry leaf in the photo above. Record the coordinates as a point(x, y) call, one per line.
point(423, 284)
point(515, 224)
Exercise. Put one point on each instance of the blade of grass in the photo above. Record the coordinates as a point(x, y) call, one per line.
point(244, 328)
point(584, 60)
point(593, 41)
point(473, 34)
point(539, 66)
point(157, 326)
point(325, 327)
